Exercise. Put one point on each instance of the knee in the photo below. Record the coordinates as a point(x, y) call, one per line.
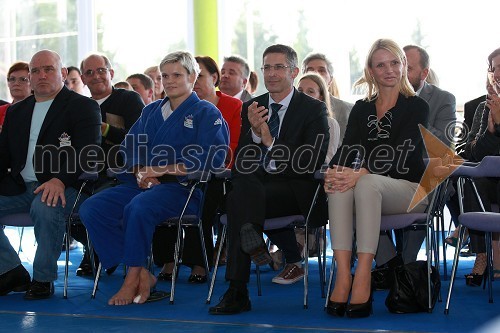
point(87, 209)
point(41, 209)
point(367, 184)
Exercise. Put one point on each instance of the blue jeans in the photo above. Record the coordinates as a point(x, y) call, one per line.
point(50, 226)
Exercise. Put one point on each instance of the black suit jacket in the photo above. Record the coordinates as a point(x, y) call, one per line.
point(72, 125)
point(304, 128)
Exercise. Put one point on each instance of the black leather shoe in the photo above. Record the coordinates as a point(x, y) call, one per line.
point(16, 280)
point(164, 276)
point(196, 278)
point(40, 290)
point(253, 244)
point(336, 309)
point(111, 270)
point(85, 268)
point(360, 310)
point(234, 301)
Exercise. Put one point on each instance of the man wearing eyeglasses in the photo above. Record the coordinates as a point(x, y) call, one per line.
point(42, 154)
point(120, 109)
point(270, 177)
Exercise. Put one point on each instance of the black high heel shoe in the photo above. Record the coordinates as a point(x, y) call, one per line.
point(360, 310)
point(475, 279)
point(336, 309)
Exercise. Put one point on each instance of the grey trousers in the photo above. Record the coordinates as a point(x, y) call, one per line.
point(372, 197)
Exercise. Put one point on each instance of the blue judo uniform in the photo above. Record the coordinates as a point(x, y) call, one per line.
point(121, 220)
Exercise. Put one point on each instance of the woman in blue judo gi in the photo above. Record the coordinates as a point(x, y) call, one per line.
point(173, 136)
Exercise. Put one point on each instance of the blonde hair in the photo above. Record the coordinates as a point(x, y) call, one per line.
point(368, 82)
point(323, 89)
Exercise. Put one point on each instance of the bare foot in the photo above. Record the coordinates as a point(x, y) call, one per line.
point(146, 282)
point(129, 289)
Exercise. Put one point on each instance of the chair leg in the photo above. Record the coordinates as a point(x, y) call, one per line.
point(20, 249)
point(443, 243)
point(204, 250)
point(66, 264)
point(320, 263)
point(454, 268)
point(96, 281)
point(176, 262)
point(489, 267)
point(330, 281)
point(214, 274)
point(306, 267)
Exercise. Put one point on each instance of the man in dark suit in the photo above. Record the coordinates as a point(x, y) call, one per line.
point(46, 143)
point(234, 78)
point(271, 177)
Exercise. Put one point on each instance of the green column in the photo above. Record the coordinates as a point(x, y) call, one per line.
point(206, 38)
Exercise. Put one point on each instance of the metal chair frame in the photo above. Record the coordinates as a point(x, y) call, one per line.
point(295, 221)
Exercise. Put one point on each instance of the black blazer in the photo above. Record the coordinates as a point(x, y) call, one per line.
point(304, 127)
point(72, 123)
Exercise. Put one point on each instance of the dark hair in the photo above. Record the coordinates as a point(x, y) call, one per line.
point(291, 55)
point(490, 58)
point(18, 66)
point(239, 60)
point(424, 56)
point(146, 81)
point(73, 68)
point(253, 81)
point(210, 65)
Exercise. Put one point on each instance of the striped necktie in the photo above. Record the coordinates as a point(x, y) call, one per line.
point(274, 121)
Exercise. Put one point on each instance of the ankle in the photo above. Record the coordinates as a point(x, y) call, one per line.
point(479, 264)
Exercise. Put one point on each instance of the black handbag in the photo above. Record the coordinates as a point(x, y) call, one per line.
point(408, 293)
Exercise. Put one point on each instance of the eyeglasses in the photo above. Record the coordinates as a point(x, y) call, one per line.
point(99, 71)
point(21, 79)
point(278, 68)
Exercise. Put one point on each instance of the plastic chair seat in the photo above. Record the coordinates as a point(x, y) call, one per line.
point(277, 222)
point(482, 221)
point(17, 220)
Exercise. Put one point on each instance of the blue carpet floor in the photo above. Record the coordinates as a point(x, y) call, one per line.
point(279, 309)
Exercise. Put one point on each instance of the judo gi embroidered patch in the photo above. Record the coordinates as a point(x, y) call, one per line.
point(64, 140)
point(188, 121)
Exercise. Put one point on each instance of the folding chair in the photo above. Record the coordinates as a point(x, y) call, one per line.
point(272, 224)
point(20, 220)
point(73, 216)
point(196, 180)
point(414, 220)
point(488, 167)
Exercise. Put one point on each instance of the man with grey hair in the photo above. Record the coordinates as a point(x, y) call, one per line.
point(319, 63)
point(234, 78)
point(42, 154)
